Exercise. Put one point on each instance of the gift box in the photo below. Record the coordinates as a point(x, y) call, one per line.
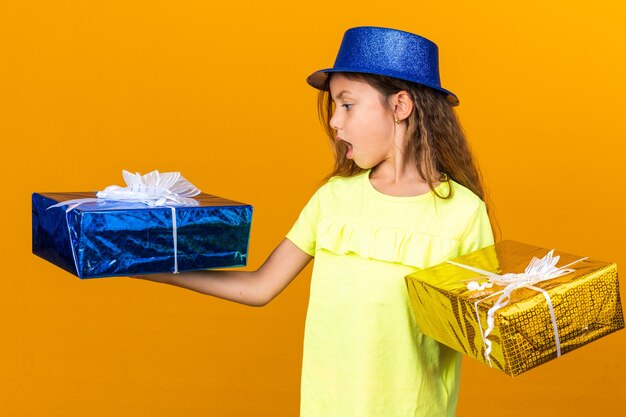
point(526, 320)
point(100, 238)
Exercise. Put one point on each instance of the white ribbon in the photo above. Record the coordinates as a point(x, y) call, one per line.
point(175, 238)
point(538, 270)
point(153, 189)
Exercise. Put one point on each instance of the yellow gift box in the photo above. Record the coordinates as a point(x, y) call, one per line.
point(538, 311)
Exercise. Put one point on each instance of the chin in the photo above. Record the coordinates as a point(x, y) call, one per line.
point(365, 165)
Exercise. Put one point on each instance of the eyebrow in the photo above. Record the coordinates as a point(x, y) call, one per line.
point(340, 95)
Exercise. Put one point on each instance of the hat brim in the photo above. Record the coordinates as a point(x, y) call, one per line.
point(318, 79)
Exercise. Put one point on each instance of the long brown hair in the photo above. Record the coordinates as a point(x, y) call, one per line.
point(436, 141)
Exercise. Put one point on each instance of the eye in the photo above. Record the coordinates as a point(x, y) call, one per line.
point(347, 106)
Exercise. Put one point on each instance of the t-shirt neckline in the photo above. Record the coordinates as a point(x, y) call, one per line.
point(373, 191)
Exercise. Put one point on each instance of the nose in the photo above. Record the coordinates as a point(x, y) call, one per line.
point(334, 121)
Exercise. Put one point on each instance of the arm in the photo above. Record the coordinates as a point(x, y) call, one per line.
point(254, 288)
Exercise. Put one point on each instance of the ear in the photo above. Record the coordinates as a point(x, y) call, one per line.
point(402, 105)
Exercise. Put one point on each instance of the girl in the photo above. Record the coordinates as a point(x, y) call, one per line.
point(404, 194)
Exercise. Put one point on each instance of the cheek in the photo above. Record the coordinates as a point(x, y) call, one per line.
point(381, 120)
point(382, 128)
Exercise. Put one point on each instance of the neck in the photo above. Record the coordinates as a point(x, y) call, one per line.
point(395, 171)
point(396, 175)
point(395, 168)
point(403, 180)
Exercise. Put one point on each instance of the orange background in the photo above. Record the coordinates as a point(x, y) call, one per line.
point(217, 92)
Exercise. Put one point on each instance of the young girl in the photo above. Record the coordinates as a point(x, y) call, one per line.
point(405, 194)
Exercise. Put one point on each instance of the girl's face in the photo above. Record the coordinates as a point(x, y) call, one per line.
point(362, 121)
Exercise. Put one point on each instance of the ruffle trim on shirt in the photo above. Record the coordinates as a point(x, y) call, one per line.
point(387, 244)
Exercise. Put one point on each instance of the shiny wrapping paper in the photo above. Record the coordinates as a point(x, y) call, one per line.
point(106, 238)
point(586, 305)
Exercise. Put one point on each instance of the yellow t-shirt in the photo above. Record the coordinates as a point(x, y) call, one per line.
point(363, 355)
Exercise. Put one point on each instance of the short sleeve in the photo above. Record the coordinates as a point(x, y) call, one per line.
point(304, 232)
point(478, 233)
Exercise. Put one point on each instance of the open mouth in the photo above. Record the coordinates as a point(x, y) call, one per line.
point(347, 146)
point(349, 151)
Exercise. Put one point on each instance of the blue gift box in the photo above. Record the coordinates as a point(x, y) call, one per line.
point(108, 238)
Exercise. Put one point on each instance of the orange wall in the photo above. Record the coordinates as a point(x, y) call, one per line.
point(218, 92)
